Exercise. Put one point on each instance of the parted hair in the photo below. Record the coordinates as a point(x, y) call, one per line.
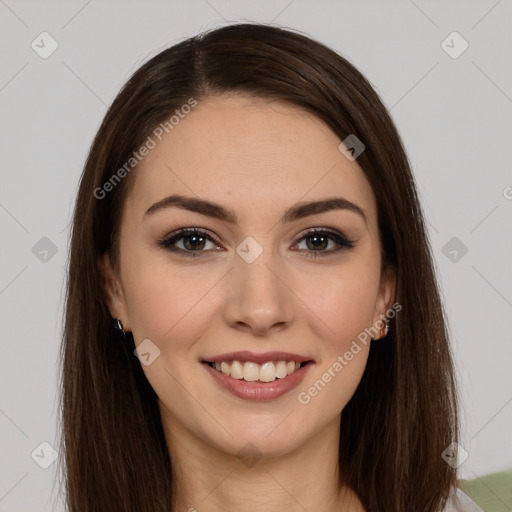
point(403, 414)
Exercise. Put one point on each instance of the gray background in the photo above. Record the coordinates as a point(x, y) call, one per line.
point(454, 115)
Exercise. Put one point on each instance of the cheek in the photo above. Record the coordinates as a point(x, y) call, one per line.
point(343, 302)
point(165, 301)
point(340, 305)
point(343, 309)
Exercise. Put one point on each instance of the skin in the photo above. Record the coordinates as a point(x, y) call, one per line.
point(258, 158)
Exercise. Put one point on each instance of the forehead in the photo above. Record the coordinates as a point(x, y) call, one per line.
point(249, 153)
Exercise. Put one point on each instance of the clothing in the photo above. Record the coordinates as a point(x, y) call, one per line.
point(460, 502)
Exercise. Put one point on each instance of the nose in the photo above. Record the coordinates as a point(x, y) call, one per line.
point(259, 300)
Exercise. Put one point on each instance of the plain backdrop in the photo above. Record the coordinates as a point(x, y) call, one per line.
point(453, 110)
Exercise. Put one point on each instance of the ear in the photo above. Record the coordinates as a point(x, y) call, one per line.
point(385, 295)
point(113, 291)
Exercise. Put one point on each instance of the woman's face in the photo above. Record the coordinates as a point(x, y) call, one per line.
point(253, 284)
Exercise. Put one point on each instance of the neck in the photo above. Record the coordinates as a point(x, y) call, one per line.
point(211, 480)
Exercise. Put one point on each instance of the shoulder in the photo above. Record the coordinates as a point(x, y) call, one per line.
point(460, 502)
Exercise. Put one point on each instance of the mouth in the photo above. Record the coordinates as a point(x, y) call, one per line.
point(251, 371)
point(258, 376)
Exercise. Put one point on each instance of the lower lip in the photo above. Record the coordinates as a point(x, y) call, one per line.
point(257, 390)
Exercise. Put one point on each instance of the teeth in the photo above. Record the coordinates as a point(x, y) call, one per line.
point(268, 372)
point(281, 370)
point(237, 370)
point(225, 368)
point(249, 371)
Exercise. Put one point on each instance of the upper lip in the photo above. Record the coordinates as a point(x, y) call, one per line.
point(246, 355)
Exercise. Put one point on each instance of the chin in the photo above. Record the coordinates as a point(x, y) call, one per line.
point(262, 441)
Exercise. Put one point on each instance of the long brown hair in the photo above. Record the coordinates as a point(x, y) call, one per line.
point(404, 411)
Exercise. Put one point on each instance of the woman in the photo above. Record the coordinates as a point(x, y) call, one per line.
point(252, 319)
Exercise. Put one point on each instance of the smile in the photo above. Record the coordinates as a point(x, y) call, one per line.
point(251, 371)
point(259, 377)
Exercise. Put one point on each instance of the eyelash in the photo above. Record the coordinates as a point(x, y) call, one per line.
point(167, 241)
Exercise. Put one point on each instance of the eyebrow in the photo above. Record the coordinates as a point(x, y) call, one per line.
point(295, 212)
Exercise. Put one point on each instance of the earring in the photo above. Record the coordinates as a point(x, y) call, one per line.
point(386, 329)
point(118, 326)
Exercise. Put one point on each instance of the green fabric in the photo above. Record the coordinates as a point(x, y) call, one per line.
point(491, 492)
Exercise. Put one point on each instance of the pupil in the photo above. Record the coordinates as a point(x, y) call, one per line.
point(194, 244)
point(315, 240)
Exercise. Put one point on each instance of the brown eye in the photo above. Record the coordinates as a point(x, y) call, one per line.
point(194, 241)
point(318, 239)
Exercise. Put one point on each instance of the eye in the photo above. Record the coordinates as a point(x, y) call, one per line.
point(320, 238)
point(195, 241)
